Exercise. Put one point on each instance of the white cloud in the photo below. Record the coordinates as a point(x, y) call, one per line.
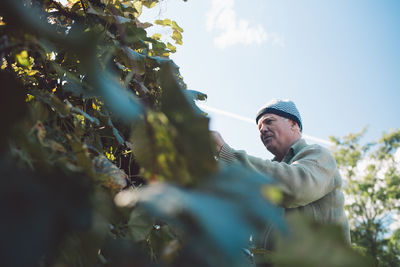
point(222, 19)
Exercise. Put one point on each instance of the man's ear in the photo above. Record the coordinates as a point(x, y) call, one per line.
point(293, 124)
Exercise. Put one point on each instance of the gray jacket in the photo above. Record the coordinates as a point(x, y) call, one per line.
point(307, 176)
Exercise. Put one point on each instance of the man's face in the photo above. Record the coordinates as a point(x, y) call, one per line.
point(275, 132)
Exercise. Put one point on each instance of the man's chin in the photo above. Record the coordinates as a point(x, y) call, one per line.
point(268, 146)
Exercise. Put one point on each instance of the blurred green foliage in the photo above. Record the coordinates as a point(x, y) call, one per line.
point(107, 161)
point(372, 187)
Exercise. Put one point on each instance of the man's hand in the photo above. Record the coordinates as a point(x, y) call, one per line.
point(216, 136)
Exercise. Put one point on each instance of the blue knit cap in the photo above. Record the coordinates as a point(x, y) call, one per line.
point(283, 108)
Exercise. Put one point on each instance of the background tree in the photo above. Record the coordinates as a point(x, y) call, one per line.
point(372, 178)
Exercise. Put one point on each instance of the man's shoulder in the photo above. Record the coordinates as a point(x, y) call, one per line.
point(314, 149)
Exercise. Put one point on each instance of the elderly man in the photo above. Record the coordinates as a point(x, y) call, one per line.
point(306, 174)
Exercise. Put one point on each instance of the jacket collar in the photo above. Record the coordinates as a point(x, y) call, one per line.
point(293, 150)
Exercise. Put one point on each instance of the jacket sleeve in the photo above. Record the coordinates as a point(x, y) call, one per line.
point(308, 178)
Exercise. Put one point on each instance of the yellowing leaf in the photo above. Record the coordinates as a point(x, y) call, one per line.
point(72, 2)
point(29, 97)
point(177, 36)
point(110, 155)
point(156, 36)
point(24, 54)
point(4, 64)
point(171, 47)
point(138, 6)
point(22, 59)
point(165, 22)
point(176, 27)
point(272, 193)
point(31, 72)
point(80, 119)
point(126, 152)
point(149, 4)
point(51, 56)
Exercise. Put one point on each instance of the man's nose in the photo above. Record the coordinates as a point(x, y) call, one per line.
point(263, 128)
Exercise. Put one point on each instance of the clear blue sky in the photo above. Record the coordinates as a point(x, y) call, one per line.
point(338, 60)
